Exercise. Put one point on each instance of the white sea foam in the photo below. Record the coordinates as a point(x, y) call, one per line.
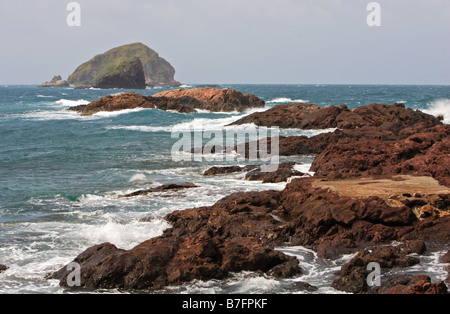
point(123, 235)
point(71, 103)
point(304, 168)
point(285, 100)
point(439, 107)
point(139, 177)
point(43, 96)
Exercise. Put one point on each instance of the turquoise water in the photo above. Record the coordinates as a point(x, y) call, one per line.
point(60, 174)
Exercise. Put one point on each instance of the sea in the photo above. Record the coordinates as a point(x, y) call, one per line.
point(61, 175)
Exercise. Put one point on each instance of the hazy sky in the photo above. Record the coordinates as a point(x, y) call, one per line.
point(235, 41)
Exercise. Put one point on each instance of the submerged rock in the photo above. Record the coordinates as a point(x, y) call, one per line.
point(162, 188)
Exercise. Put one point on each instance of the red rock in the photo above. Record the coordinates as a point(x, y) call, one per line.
point(309, 116)
point(182, 100)
point(216, 100)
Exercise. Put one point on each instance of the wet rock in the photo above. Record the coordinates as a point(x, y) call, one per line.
point(162, 188)
point(415, 246)
point(446, 258)
point(182, 100)
point(310, 116)
point(303, 286)
point(3, 268)
point(408, 284)
point(354, 274)
point(213, 171)
point(282, 174)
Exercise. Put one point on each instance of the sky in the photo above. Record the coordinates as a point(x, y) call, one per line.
point(235, 41)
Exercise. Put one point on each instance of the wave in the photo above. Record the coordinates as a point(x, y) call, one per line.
point(43, 96)
point(284, 100)
point(439, 107)
point(71, 103)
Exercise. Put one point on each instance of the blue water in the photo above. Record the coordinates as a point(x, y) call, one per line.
point(60, 174)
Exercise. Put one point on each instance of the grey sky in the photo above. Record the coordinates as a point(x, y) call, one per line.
point(235, 41)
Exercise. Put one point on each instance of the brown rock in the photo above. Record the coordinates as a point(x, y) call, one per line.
point(182, 100)
point(3, 268)
point(405, 284)
point(216, 100)
point(309, 116)
point(353, 275)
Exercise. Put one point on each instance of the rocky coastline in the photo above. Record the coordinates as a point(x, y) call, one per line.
point(381, 177)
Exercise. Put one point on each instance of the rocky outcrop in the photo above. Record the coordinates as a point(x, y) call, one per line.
point(424, 153)
point(215, 100)
point(240, 231)
point(283, 172)
point(3, 268)
point(57, 81)
point(353, 275)
point(114, 103)
point(310, 116)
point(162, 188)
point(384, 181)
point(128, 75)
point(157, 71)
point(409, 284)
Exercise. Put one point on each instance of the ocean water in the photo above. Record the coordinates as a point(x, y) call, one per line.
point(61, 175)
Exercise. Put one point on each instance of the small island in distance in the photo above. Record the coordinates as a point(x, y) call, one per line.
point(132, 66)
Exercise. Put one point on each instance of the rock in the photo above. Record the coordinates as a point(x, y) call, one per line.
point(282, 174)
point(310, 116)
point(414, 246)
point(164, 261)
point(128, 75)
point(158, 72)
point(213, 171)
point(286, 270)
point(215, 100)
point(114, 103)
point(254, 173)
point(353, 275)
point(3, 268)
point(303, 286)
point(57, 81)
point(426, 153)
point(162, 188)
point(240, 232)
point(184, 102)
point(446, 258)
point(407, 284)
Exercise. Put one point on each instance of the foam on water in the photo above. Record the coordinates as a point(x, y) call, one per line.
point(285, 100)
point(440, 107)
